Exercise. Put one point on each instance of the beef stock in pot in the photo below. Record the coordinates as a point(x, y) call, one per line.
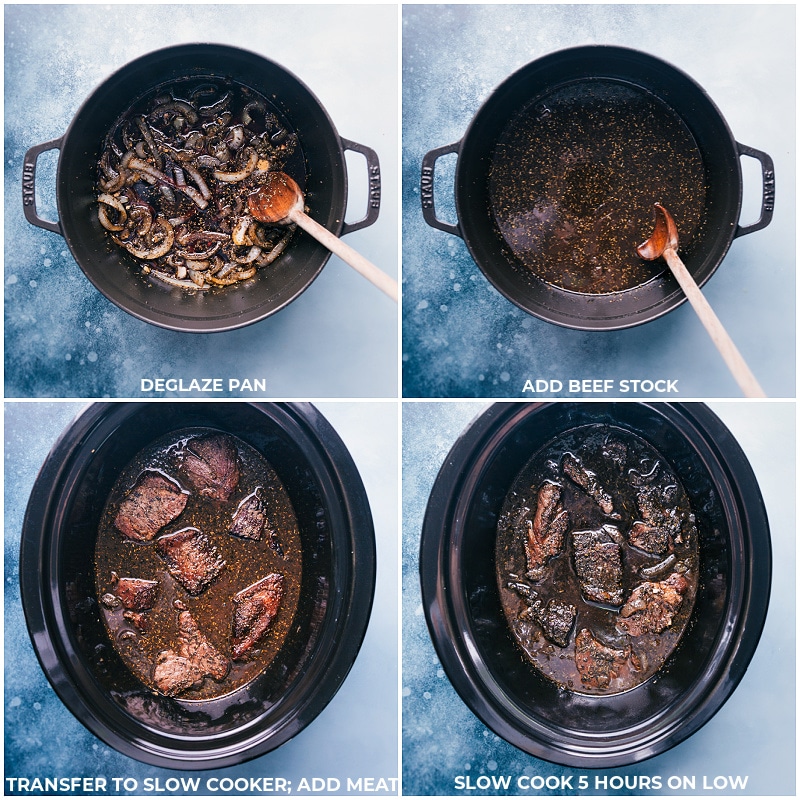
point(557, 174)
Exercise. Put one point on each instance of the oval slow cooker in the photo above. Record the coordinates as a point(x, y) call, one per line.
point(64, 620)
point(466, 620)
point(719, 151)
point(114, 272)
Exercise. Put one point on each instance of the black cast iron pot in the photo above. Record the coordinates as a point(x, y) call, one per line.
point(114, 272)
point(466, 620)
point(61, 606)
point(720, 153)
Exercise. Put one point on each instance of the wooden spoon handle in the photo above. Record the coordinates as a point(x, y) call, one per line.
point(360, 264)
point(733, 358)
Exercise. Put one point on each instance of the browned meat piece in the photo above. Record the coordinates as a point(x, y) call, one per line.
point(211, 466)
point(598, 563)
point(597, 664)
point(556, 620)
point(252, 522)
point(174, 674)
point(136, 594)
point(659, 526)
point(195, 646)
point(153, 502)
point(191, 559)
point(254, 608)
point(587, 480)
point(138, 620)
point(195, 658)
point(250, 517)
point(652, 606)
point(545, 537)
point(616, 452)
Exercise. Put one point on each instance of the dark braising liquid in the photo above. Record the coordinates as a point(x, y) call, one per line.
point(574, 178)
point(246, 562)
point(625, 469)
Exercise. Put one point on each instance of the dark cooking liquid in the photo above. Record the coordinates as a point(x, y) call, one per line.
point(620, 460)
point(574, 178)
point(247, 561)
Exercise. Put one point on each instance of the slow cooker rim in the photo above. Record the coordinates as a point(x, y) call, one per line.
point(332, 656)
point(448, 620)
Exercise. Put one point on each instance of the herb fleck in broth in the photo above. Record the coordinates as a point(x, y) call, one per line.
point(618, 535)
point(139, 641)
point(574, 178)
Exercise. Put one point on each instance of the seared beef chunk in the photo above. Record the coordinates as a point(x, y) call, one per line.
point(556, 619)
point(545, 534)
point(597, 664)
point(616, 452)
point(254, 609)
point(250, 517)
point(194, 645)
point(191, 559)
point(153, 502)
point(598, 563)
point(195, 658)
point(659, 526)
point(587, 480)
point(211, 466)
point(136, 594)
point(138, 620)
point(652, 606)
point(251, 521)
point(174, 674)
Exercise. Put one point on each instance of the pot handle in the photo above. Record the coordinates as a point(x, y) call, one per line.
point(374, 174)
point(768, 190)
point(426, 188)
point(29, 186)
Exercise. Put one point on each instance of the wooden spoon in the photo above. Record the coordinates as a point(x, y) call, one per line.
point(664, 242)
point(280, 201)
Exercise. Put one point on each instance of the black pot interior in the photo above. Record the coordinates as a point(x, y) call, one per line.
point(684, 97)
point(115, 273)
point(76, 651)
point(492, 674)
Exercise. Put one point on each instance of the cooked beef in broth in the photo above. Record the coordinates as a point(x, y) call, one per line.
point(575, 175)
point(154, 501)
point(597, 560)
point(198, 564)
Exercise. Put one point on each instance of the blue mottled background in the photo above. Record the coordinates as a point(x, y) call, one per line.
point(754, 732)
point(461, 338)
point(356, 735)
point(63, 338)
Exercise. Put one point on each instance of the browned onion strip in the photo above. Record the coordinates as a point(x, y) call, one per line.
point(199, 256)
point(252, 254)
point(108, 200)
point(179, 107)
point(195, 196)
point(156, 250)
point(140, 165)
point(235, 177)
point(196, 277)
point(177, 173)
point(239, 232)
point(148, 138)
point(198, 179)
point(162, 276)
point(280, 246)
